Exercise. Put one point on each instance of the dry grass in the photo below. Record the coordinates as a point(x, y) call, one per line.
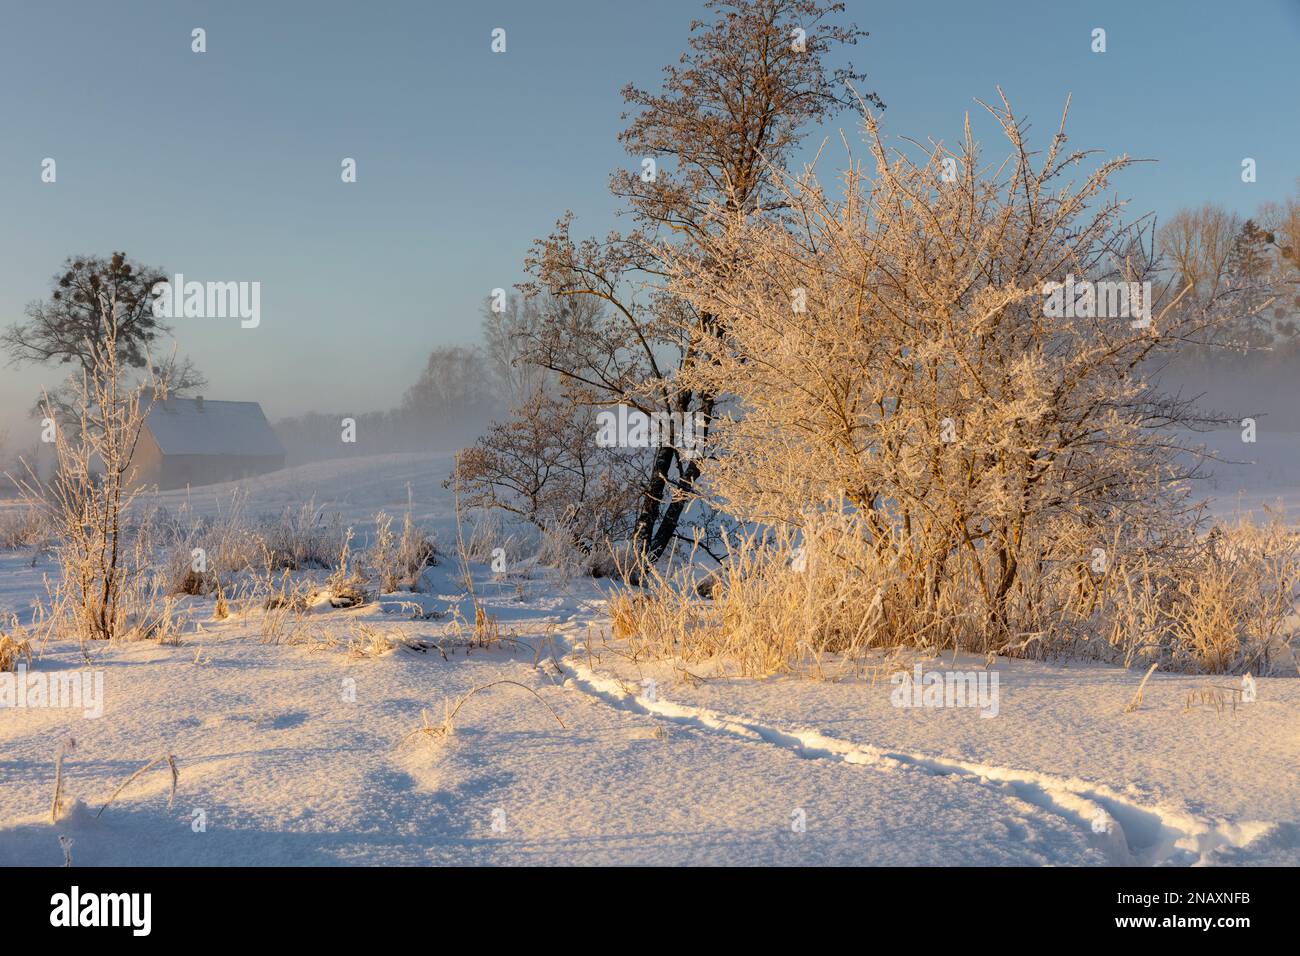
point(56, 805)
point(168, 759)
point(1233, 612)
point(1218, 697)
point(818, 601)
point(25, 525)
point(486, 535)
point(203, 552)
point(1227, 607)
point(347, 583)
point(1136, 702)
point(788, 602)
point(15, 645)
point(399, 561)
point(284, 604)
point(438, 732)
point(367, 641)
point(303, 538)
point(266, 564)
point(486, 631)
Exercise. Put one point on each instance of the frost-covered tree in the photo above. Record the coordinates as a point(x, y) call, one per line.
point(455, 380)
point(512, 331)
point(1252, 267)
point(1282, 220)
point(103, 592)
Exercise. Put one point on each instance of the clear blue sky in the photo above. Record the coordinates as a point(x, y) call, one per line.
point(225, 165)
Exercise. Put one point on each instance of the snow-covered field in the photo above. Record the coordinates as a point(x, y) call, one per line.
point(303, 753)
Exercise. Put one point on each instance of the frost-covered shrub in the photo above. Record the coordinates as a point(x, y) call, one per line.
point(399, 561)
point(896, 352)
point(303, 537)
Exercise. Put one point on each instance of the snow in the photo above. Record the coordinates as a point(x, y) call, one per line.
point(1251, 478)
point(304, 754)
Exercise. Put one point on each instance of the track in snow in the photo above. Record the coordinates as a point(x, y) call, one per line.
point(1128, 833)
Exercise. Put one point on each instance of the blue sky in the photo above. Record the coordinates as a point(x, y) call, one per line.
point(226, 165)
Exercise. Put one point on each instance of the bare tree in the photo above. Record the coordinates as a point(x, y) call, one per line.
point(509, 335)
point(1252, 274)
point(455, 378)
point(1282, 221)
point(1252, 265)
point(751, 83)
point(543, 465)
point(1198, 244)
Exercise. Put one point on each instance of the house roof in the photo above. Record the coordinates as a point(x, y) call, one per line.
point(190, 426)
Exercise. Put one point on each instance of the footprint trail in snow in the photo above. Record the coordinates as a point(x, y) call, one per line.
point(1128, 833)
